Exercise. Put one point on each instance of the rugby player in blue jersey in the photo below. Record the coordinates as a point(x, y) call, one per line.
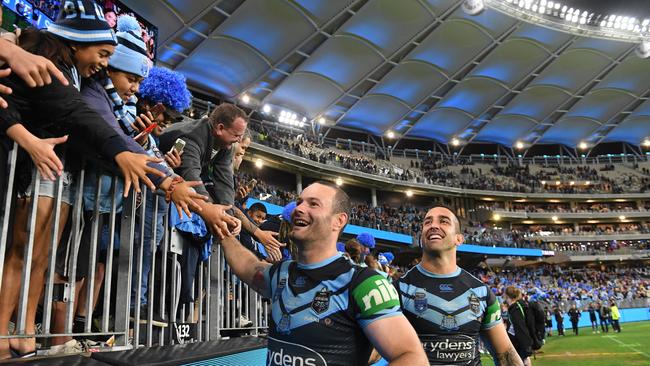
point(324, 309)
point(448, 307)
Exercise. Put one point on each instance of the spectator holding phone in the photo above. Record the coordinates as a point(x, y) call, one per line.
point(225, 126)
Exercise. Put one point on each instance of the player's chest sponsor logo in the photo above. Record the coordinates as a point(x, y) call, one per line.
point(283, 353)
point(457, 349)
point(321, 301)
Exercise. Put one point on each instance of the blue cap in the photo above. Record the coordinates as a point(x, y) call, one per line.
point(367, 240)
point(382, 259)
point(287, 211)
point(82, 21)
point(340, 246)
point(131, 53)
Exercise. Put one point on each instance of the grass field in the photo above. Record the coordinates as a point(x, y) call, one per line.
point(631, 347)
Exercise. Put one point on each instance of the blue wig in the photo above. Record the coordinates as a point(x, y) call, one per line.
point(367, 240)
point(167, 87)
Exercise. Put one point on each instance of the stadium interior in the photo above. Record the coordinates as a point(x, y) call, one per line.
point(530, 119)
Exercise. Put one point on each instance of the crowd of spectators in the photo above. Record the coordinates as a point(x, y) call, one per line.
point(555, 284)
point(47, 7)
point(511, 177)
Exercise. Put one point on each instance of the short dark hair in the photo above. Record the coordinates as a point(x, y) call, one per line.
point(341, 201)
point(257, 206)
point(226, 114)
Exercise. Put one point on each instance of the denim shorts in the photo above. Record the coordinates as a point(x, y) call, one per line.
point(47, 188)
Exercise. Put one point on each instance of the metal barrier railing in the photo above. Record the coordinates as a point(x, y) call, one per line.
point(222, 305)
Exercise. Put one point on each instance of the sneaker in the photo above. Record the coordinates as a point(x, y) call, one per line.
point(70, 347)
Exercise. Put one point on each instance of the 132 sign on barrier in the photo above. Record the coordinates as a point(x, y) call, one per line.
point(184, 332)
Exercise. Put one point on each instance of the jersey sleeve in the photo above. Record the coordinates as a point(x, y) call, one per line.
point(492, 312)
point(374, 298)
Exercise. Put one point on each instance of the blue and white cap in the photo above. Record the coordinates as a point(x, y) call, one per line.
point(82, 21)
point(131, 53)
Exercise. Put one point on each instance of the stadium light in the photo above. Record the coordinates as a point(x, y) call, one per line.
point(646, 143)
point(582, 145)
point(259, 163)
point(621, 217)
point(409, 193)
point(587, 183)
point(496, 217)
point(321, 120)
point(266, 109)
point(554, 218)
point(245, 99)
point(557, 182)
point(455, 141)
point(339, 181)
point(572, 183)
point(473, 7)
point(519, 145)
point(390, 134)
point(543, 182)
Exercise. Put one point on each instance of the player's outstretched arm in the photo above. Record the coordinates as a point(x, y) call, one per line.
point(505, 351)
point(396, 341)
point(246, 265)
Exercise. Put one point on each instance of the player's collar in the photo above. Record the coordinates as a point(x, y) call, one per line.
point(321, 263)
point(435, 275)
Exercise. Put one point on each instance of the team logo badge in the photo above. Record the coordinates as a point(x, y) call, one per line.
point(279, 289)
point(474, 303)
point(420, 302)
point(284, 325)
point(449, 323)
point(321, 301)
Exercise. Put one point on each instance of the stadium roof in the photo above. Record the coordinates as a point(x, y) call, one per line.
point(420, 68)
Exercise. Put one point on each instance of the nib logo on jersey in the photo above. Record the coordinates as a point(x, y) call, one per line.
point(283, 353)
point(457, 349)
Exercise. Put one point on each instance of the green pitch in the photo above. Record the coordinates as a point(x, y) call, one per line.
point(631, 347)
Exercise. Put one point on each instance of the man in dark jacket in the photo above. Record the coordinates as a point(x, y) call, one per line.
point(559, 320)
point(225, 126)
point(574, 316)
point(518, 328)
point(605, 315)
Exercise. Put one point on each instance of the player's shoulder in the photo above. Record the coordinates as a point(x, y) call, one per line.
point(470, 279)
